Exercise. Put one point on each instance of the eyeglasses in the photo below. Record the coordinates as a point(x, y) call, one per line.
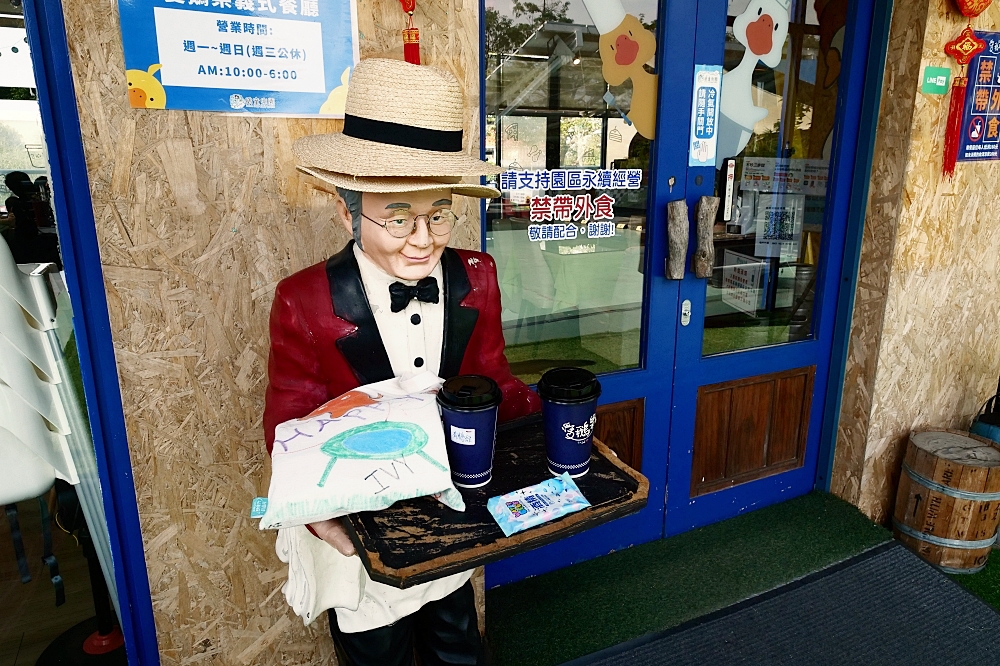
point(439, 223)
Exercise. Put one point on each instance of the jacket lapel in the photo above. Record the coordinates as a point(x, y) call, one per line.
point(459, 321)
point(363, 349)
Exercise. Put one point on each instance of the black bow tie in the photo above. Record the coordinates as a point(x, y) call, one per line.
point(426, 290)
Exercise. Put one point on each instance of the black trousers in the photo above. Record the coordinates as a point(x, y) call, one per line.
point(442, 633)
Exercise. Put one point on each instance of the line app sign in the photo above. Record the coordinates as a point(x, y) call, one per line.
point(278, 55)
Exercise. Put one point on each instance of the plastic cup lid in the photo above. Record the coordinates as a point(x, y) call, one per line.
point(470, 391)
point(574, 384)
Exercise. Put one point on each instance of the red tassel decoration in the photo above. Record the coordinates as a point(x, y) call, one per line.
point(953, 128)
point(411, 35)
point(963, 48)
point(411, 44)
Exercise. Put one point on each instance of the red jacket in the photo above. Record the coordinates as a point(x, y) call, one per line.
point(324, 340)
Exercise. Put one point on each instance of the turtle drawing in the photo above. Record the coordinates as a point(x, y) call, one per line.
point(377, 441)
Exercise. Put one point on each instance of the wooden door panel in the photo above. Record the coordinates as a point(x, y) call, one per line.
point(792, 405)
point(711, 434)
point(619, 426)
point(750, 428)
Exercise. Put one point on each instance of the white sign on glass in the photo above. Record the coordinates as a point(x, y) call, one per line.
point(741, 282)
point(779, 225)
point(15, 60)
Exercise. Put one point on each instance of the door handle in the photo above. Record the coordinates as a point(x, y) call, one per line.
point(677, 238)
point(678, 232)
point(703, 259)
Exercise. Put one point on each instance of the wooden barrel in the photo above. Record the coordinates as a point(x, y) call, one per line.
point(948, 503)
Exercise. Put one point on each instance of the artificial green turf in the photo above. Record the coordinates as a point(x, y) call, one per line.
point(596, 352)
point(986, 583)
point(596, 604)
point(733, 338)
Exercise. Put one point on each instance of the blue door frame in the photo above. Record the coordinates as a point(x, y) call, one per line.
point(693, 370)
point(92, 326)
point(693, 32)
point(680, 19)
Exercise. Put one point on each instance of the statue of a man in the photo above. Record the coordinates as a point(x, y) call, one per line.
point(395, 301)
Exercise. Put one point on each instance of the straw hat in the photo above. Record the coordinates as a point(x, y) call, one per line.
point(402, 133)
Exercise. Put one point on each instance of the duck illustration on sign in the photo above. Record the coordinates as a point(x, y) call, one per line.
point(625, 45)
point(761, 29)
point(144, 90)
point(336, 102)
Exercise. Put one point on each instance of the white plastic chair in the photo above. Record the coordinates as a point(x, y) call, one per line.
point(43, 431)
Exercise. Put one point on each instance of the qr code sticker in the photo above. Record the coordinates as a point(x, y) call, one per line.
point(779, 225)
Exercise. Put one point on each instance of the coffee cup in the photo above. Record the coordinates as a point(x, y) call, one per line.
point(469, 405)
point(569, 405)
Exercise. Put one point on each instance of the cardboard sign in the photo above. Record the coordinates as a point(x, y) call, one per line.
point(291, 57)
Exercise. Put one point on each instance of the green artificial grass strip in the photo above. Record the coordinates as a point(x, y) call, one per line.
point(733, 338)
point(598, 352)
point(599, 603)
point(986, 583)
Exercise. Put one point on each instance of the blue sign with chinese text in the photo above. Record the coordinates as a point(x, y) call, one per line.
point(289, 57)
point(980, 139)
point(705, 115)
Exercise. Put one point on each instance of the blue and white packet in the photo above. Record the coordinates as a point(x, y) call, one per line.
point(528, 507)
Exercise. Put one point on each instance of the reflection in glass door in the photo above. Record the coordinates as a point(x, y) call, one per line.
point(569, 233)
point(753, 360)
point(769, 231)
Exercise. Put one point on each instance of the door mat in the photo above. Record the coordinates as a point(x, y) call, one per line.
point(606, 601)
point(883, 607)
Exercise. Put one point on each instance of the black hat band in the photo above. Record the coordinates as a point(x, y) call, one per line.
point(421, 138)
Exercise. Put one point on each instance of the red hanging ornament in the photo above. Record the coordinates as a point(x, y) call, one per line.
point(963, 49)
point(972, 8)
point(411, 35)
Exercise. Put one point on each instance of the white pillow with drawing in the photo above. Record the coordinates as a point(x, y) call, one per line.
point(362, 451)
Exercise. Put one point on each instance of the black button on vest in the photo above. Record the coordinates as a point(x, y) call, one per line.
point(418, 362)
point(415, 319)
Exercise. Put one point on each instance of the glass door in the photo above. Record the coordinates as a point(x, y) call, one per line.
point(579, 229)
point(720, 382)
point(753, 357)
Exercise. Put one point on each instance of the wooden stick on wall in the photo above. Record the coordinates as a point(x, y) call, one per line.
point(677, 238)
point(703, 259)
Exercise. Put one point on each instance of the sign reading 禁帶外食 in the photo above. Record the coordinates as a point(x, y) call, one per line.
point(705, 115)
point(980, 138)
point(291, 57)
point(596, 213)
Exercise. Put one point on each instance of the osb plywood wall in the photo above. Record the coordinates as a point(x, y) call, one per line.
point(885, 201)
point(925, 349)
point(198, 216)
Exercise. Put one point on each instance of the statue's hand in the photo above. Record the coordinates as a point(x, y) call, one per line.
point(332, 531)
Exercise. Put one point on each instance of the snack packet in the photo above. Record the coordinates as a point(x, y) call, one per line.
point(519, 510)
